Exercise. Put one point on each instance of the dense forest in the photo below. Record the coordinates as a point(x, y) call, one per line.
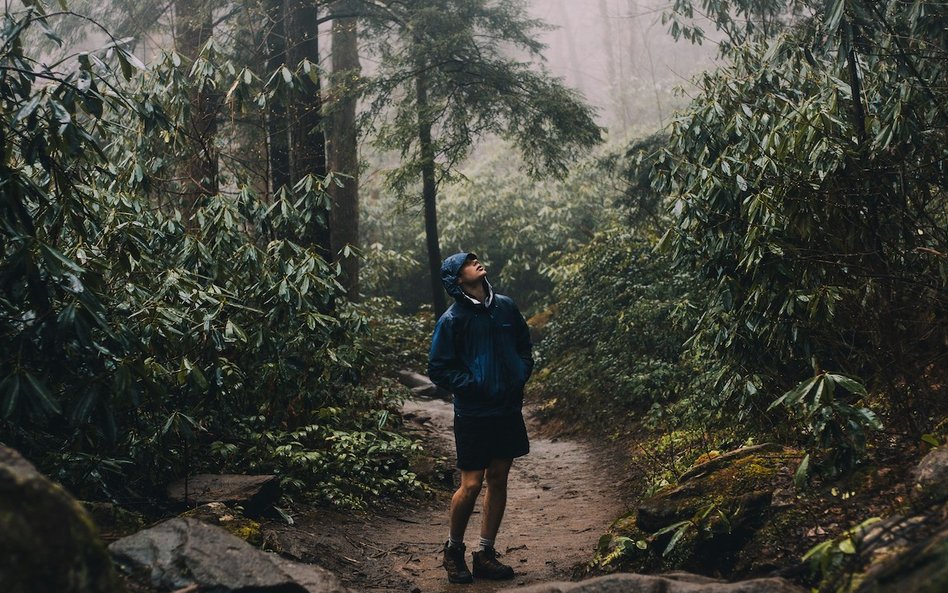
point(727, 223)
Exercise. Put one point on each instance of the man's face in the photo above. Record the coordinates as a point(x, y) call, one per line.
point(471, 272)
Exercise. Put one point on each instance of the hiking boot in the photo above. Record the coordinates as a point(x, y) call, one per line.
point(455, 565)
point(486, 566)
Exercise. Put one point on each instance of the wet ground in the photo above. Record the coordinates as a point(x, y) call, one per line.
point(561, 498)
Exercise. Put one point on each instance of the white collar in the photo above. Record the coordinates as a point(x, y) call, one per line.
point(487, 300)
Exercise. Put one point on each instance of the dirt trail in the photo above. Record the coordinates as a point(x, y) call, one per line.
point(561, 498)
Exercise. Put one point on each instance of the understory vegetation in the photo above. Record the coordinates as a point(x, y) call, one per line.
point(144, 341)
point(800, 290)
point(770, 266)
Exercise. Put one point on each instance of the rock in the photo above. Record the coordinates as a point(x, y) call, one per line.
point(253, 493)
point(218, 513)
point(931, 475)
point(922, 568)
point(422, 386)
point(185, 552)
point(740, 484)
point(719, 507)
point(411, 379)
point(667, 583)
point(48, 542)
point(708, 463)
point(113, 521)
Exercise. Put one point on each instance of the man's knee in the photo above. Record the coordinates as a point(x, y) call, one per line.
point(497, 474)
point(471, 483)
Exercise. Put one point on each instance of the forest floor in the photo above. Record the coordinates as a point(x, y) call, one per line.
point(561, 498)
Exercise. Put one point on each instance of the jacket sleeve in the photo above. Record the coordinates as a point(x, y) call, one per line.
point(524, 345)
point(445, 367)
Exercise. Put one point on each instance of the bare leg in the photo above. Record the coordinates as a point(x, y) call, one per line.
point(462, 503)
point(495, 500)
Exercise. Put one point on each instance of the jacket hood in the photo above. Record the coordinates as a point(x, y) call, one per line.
point(450, 268)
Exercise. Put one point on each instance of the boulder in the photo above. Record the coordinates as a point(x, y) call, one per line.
point(421, 386)
point(219, 514)
point(931, 476)
point(252, 493)
point(717, 508)
point(922, 568)
point(668, 583)
point(185, 552)
point(740, 484)
point(48, 542)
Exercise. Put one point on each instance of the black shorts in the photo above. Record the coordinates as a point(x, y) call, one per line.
point(481, 439)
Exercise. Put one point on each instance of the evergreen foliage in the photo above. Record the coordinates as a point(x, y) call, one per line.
point(613, 351)
point(810, 200)
point(805, 191)
point(139, 341)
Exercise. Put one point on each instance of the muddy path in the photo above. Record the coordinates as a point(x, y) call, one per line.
point(561, 498)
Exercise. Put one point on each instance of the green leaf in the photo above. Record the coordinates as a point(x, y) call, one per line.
point(672, 527)
point(795, 394)
point(799, 476)
point(199, 377)
point(835, 15)
point(10, 388)
point(55, 259)
point(674, 539)
point(847, 547)
point(28, 108)
point(44, 397)
point(741, 182)
point(931, 440)
point(80, 414)
point(818, 550)
point(849, 384)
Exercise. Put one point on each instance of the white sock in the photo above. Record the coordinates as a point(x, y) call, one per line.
point(485, 544)
point(455, 543)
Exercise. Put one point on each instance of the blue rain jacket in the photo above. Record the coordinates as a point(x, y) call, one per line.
point(481, 354)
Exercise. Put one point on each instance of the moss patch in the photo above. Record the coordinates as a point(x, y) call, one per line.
point(216, 513)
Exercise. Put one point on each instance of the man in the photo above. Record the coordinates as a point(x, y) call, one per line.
point(481, 353)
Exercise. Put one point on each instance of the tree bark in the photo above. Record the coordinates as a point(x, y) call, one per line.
point(429, 193)
point(307, 138)
point(193, 27)
point(342, 146)
point(278, 139)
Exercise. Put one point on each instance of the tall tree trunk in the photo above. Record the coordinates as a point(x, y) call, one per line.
point(576, 68)
point(278, 139)
point(193, 27)
point(342, 145)
point(612, 72)
point(429, 193)
point(307, 138)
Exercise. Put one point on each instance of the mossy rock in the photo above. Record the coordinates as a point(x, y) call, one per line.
point(718, 508)
point(49, 543)
point(931, 476)
point(217, 513)
point(739, 485)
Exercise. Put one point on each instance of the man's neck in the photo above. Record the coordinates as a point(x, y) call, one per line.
point(476, 290)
